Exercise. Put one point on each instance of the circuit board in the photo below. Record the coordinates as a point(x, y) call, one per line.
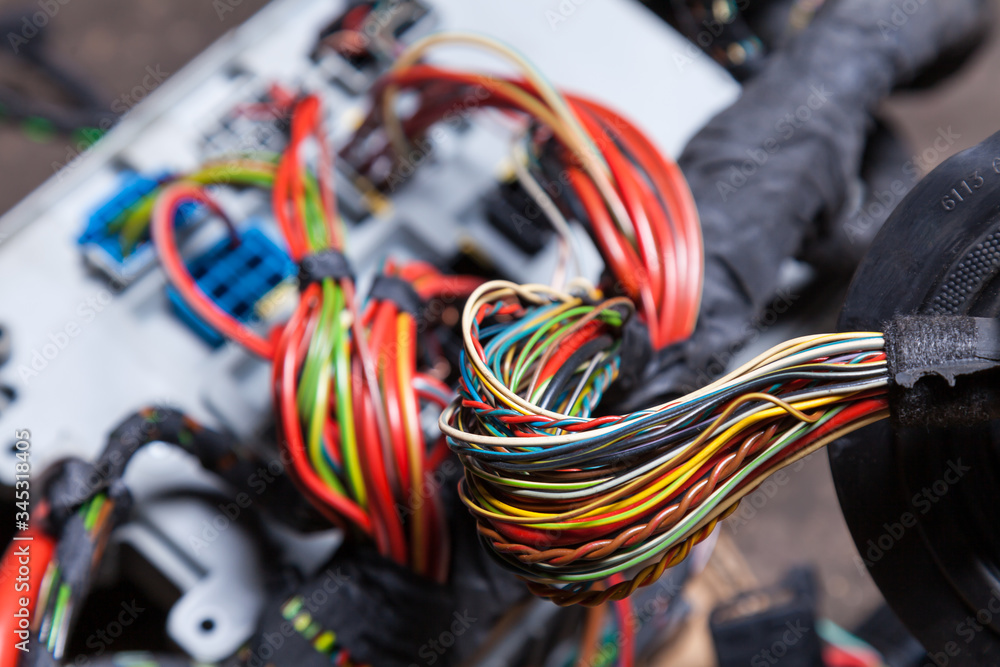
point(95, 335)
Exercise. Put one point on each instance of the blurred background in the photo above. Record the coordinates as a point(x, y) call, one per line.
point(109, 44)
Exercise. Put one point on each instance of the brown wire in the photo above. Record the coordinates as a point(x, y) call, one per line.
point(661, 522)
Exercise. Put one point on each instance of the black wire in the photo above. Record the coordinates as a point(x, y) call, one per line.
point(566, 372)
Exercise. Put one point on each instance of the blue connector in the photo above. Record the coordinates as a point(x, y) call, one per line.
point(101, 245)
point(236, 277)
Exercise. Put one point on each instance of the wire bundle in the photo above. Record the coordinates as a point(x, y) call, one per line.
point(63, 586)
point(566, 499)
point(82, 504)
point(588, 498)
point(599, 169)
point(347, 389)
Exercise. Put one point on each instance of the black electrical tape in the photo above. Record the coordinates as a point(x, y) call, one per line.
point(66, 486)
point(636, 353)
point(318, 266)
point(399, 292)
point(736, 163)
point(944, 370)
point(385, 614)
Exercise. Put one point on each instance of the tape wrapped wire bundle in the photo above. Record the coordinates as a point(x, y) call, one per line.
point(566, 499)
point(80, 505)
point(350, 384)
point(347, 388)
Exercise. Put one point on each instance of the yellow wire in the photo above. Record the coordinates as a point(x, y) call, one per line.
point(670, 480)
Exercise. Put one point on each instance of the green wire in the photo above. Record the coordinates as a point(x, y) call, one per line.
point(57, 619)
point(345, 410)
point(315, 227)
point(314, 386)
point(49, 592)
point(529, 353)
point(133, 222)
point(832, 633)
point(93, 511)
point(38, 129)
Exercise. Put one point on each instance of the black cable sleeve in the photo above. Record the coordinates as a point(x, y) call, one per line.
point(219, 453)
point(765, 170)
point(945, 370)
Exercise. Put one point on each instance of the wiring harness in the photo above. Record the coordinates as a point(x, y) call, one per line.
point(585, 506)
point(82, 504)
point(609, 175)
point(564, 497)
point(567, 499)
point(619, 491)
point(347, 388)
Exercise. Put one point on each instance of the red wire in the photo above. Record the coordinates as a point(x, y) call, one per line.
point(636, 205)
point(623, 610)
point(41, 548)
point(162, 228)
point(379, 488)
point(834, 656)
point(682, 213)
point(662, 211)
point(425, 518)
point(382, 329)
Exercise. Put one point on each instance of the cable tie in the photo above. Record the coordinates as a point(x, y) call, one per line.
point(318, 266)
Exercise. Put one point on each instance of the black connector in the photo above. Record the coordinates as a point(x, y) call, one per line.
point(327, 263)
point(398, 291)
point(764, 626)
point(943, 370)
point(365, 36)
point(6, 346)
point(512, 212)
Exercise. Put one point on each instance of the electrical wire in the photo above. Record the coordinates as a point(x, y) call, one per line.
point(81, 505)
point(347, 387)
point(842, 649)
point(23, 570)
point(633, 200)
point(567, 499)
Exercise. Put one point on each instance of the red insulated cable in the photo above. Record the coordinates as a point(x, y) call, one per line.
point(286, 371)
point(381, 339)
point(162, 227)
point(21, 578)
point(578, 339)
point(673, 188)
point(834, 656)
point(626, 629)
point(632, 197)
point(668, 234)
